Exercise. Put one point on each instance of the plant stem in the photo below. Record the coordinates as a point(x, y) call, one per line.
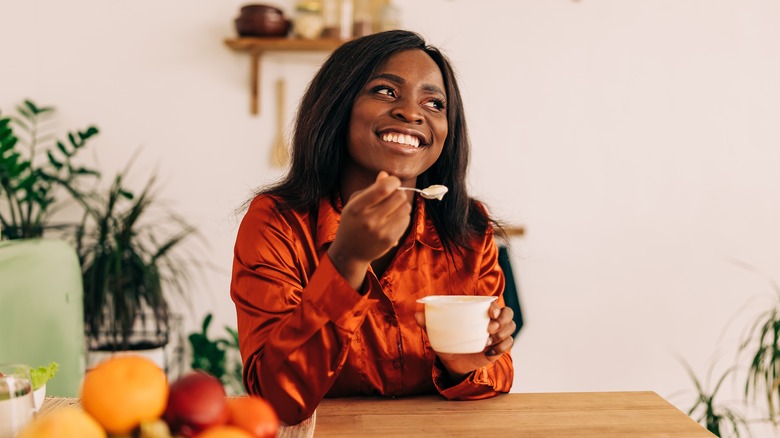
point(33, 144)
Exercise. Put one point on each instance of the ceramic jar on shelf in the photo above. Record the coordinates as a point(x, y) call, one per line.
point(258, 20)
point(309, 21)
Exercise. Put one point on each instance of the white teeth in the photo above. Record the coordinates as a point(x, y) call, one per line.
point(402, 139)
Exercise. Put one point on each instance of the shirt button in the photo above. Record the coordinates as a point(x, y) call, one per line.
point(396, 364)
point(390, 319)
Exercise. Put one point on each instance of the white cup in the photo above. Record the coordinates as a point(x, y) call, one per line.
point(457, 323)
point(16, 399)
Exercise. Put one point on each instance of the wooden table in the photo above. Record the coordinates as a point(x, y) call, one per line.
point(581, 415)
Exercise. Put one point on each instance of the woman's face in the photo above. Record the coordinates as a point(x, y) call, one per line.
point(399, 120)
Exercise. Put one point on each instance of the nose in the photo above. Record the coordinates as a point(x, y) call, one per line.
point(408, 111)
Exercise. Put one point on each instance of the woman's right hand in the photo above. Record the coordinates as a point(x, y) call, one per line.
point(372, 222)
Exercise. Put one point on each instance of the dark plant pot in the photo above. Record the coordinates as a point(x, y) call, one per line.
point(14, 233)
point(148, 332)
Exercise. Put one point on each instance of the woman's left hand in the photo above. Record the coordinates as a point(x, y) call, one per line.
point(500, 328)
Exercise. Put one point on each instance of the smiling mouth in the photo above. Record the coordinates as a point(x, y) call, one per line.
point(405, 139)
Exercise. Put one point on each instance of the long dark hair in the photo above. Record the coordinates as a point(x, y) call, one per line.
point(322, 125)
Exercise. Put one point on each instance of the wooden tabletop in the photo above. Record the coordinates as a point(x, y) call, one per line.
point(580, 415)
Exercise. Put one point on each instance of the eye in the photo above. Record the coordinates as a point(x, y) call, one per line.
point(437, 104)
point(385, 90)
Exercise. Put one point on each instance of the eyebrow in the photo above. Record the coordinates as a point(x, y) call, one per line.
point(430, 88)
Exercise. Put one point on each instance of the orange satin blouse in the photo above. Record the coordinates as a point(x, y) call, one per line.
point(305, 334)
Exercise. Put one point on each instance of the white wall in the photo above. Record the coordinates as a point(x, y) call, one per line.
point(636, 141)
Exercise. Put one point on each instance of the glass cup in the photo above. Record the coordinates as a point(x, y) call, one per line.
point(16, 399)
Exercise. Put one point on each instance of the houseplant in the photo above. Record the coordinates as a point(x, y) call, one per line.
point(33, 164)
point(129, 251)
point(219, 356)
point(762, 348)
point(717, 418)
point(40, 278)
point(758, 358)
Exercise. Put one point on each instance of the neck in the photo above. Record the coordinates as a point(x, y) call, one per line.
point(353, 181)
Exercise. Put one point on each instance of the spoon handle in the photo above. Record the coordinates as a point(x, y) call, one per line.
point(410, 188)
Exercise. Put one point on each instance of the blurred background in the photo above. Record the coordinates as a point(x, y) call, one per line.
point(637, 143)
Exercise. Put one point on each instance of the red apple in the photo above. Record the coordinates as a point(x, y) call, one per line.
point(196, 402)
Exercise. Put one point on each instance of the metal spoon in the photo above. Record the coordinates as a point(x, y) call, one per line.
point(435, 191)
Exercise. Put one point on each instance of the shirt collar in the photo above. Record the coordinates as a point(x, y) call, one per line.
point(329, 216)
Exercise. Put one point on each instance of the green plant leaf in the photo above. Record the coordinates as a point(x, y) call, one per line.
point(29, 183)
point(84, 171)
point(25, 112)
point(206, 323)
point(90, 132)
point(57, 165)
point(63, 149)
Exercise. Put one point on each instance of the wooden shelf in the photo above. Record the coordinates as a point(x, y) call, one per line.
point(514, 231)
point(255, 47)
point(259, 45)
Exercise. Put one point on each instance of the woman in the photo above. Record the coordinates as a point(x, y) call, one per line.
point(329, 261)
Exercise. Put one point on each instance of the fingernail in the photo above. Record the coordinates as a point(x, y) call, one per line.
point(496, 312)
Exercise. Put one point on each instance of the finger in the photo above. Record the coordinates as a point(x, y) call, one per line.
point(419, 317)
point(397, 220)
point(496, 350)
point(387, 229)
point(383, 187)
point(505, 315)
point(495, 310)
point(381, 175)
point(499, 317)
point(506, 331)
point(391, 204)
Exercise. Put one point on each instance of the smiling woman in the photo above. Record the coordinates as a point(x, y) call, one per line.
point(329, 262)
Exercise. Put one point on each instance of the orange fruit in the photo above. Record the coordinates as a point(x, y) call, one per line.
point(65, 422)
point(123, 391)
point(224, 432)
point(254, 415)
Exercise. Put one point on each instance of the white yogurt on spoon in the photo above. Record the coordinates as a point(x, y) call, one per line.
point(435, 191)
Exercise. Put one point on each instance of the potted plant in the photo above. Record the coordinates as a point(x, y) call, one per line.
point(758, 356)
point(716, 417)
point(219, 357)
point(128, 253)
point(40, 279)
point(32, 165)
point(763, 355)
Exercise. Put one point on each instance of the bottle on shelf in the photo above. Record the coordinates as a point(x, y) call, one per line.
point(330, 15)
point(346, 18)
point(363, 23)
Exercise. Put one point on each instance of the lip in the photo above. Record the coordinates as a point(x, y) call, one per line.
point(424, 140)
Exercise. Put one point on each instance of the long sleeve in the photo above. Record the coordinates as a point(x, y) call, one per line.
point(294, 331)
point(497, 377)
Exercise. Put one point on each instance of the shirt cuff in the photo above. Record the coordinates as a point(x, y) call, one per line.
point(332, 296)
point(473, 380)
